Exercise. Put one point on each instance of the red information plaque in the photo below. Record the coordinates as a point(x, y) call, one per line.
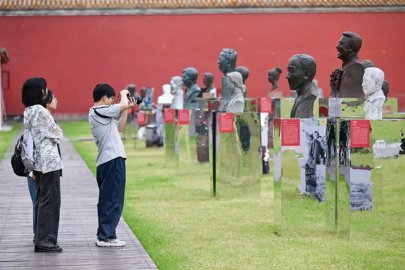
point(290, 132)
point(226, 122)
point(141, 119)
point(265, 105)
point(169, 115)
point(359, 133)
point(184, 117)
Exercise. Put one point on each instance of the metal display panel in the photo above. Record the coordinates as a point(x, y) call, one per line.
point(390, 109)
point(343, 189)
point(275, 164)
point(266, 128)
point(239, 163)
point(170, 142)
point(186, 137)
point(341, 107)
point(354, 108)
point(377, 190)
point(190, 136)
point(203, 103)
point(286, 105)
point(390, 106)
point(303, 195)
point(267, 132)
point(331, 174)
point(201, 134)
point(250, 105)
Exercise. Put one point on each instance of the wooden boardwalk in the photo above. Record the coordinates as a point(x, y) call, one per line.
point(78, 224)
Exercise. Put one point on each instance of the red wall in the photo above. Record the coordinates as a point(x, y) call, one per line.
point(75, 53)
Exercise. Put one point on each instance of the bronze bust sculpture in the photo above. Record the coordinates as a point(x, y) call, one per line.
point(226, 64)
point(374, 96)
point(209, 90)
point(273, 75)
point(189, 79)
point(176, 89)
point(300, 73)
point(235, 103)
point(244, 71)
point(385, 88)
point(346, 82)
point(3, 56)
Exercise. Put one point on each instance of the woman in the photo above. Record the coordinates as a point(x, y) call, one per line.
point(46, 135)
point(51, 104)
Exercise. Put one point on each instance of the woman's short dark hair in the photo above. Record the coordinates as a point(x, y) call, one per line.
point(101, 90)
point(48, 98)
point(32, 91)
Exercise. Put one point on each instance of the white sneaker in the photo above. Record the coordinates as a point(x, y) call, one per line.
point(116, 243)
point(103, 243)
point(110, 243)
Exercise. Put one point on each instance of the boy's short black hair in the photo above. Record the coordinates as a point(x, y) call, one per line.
point(101, 90)
point(32, 93)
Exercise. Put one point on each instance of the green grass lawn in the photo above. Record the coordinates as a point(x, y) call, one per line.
point(171, 210)
point(6, 137)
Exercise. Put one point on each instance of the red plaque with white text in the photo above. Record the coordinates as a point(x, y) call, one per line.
point(141, 119)
point(265, 105)
point(169, 115)
point(360, 133)
point(290, 132)
point(226, 122)
point(184, 117)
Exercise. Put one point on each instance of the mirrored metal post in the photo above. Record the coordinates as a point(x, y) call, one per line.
point(239, 163)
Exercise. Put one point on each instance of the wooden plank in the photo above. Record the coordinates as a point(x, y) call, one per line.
point(77, 229)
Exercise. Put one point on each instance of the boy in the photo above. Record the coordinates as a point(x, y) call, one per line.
point(106, 121)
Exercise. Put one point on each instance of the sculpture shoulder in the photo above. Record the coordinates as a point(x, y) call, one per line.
point(352, 78)
point(355, 68)
point(304, 108)
point(195, 88)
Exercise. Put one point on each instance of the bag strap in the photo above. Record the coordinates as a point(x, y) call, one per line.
point(101, 115)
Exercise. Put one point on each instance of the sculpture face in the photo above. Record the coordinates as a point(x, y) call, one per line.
point(175, 83)
point(223, 63)
point(295, 74)
point(270, 77)
point(343, 48)
point(207, 80)
point(373, 80)
point(187, 79)
point(368, 83)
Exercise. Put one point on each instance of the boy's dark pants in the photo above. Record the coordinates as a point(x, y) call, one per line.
point(111, 184)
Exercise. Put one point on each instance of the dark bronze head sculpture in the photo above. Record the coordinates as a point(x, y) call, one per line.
point(226, 63)
point(189, 79)
point(348, 47)
point(346, 82)
point(244, 71)
point(273, 75)
point(3, 56)
point(227, 60)
point(208, 80)
point(300, 72)
point(189, 76)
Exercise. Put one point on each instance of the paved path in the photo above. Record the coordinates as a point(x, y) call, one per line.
point(77, 228)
